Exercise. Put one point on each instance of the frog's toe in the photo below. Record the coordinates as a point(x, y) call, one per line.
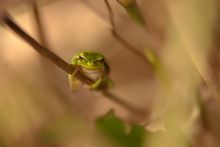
point(95, 86)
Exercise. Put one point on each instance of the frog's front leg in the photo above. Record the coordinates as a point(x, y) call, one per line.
point(96, 85)
point(104, 80)
point(73, 82)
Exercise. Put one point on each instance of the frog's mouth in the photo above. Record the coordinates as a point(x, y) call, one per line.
point(93, 74)
point(85, 69)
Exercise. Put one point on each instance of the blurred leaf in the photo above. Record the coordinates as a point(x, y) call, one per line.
point(157, 66)
point(133, 11)
point(114, 128)
point(153, 59)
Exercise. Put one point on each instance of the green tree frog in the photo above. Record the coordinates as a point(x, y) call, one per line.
point(94, 66)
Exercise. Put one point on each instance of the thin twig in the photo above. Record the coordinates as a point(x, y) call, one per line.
point(119, 38)
point(203, 114)
point(130, 47)
point(69, 68)
point(39, 24)
point(140, 112)
point(37, 46)
point(47, 68)
point(111, 14)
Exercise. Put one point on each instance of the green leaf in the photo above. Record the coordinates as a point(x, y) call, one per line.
point(153, 59)
point(114, 128)
point(157, 66)
point(133, 11)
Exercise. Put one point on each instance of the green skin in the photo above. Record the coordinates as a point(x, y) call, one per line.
point(93, 65)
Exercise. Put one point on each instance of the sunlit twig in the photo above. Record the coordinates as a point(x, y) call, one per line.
point(120, 39)
point(39, 24)
point(68, 68)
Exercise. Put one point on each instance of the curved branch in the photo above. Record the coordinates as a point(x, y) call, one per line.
point(68, 68)
point(119, 38)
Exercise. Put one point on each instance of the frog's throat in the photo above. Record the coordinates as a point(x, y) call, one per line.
point(92, 69)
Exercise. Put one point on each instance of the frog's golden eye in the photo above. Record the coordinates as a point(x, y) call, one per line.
point(99, 62)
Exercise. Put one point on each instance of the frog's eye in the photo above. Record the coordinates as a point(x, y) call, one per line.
point(99, 62)
point(82, 59)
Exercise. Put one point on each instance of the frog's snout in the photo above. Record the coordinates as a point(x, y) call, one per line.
point(91, 63)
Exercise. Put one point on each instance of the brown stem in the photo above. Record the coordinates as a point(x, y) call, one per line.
point(135, 110)
point(69, 68)
point(48, 70)
point(130, 47)
point(119, 38)
point(37, 46)
point(111, 14)
point(203, 114)
point(39, 24)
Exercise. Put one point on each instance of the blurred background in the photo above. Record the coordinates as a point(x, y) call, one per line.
point(179, 89)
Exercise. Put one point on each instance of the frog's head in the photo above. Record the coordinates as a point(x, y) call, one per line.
point(90, 60)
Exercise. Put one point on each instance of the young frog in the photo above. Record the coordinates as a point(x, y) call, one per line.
point(92, 65)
